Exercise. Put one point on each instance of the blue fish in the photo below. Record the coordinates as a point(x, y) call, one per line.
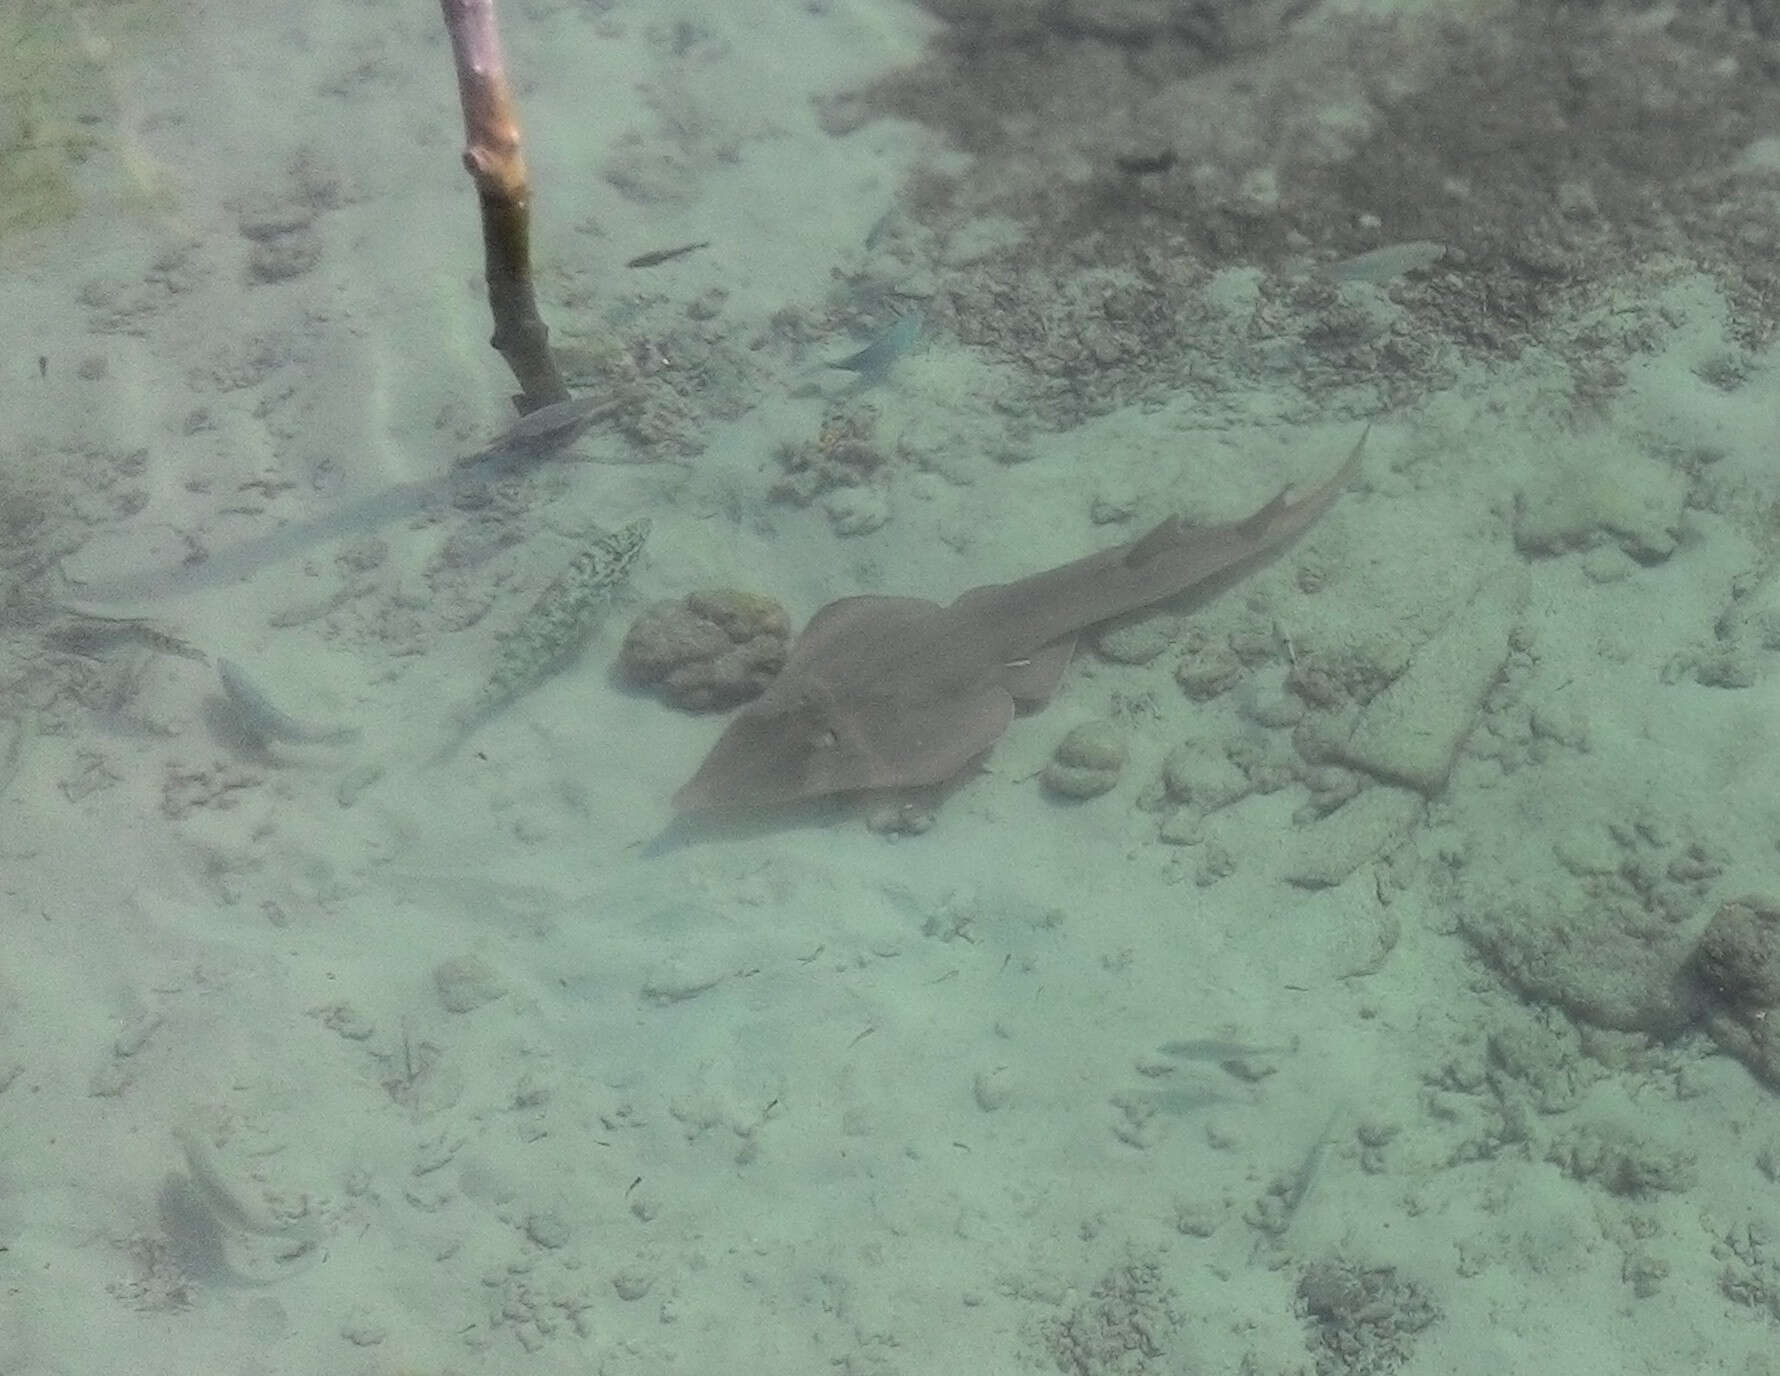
point(874, 361)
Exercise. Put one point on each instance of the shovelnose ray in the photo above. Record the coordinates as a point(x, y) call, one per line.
point(899, 692)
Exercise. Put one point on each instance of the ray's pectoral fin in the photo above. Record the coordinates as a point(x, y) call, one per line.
point(809, 748)
point(833, 629)
point(763, 758)
point(1034, 679)
point(909, 744)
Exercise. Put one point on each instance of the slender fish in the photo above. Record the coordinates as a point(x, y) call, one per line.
point(665, 255)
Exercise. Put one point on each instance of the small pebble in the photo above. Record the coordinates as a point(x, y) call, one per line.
point(547, 1229)
point(991, 1089)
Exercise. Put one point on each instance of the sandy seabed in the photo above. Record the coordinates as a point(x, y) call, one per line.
point(1357, 1027)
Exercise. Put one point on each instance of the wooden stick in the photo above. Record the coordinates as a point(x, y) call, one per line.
point(495, 160)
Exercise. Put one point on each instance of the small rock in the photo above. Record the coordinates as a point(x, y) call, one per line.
point(1727, 669)
point(467, 983)
point(898, 816)
point(856, 510)
point(1115, 501)
point(1591, 491)
point(263, 219)
point(1137, 642)
point(1271, 704)
point(1735, 971)
point(1205, 675)
point(283, 257)
point(549, 1230)
point(1087, 761)
point(1413, 731)
point(1182, 827)
point(1204, 778)
point(991, 1089)
point(362, 1330)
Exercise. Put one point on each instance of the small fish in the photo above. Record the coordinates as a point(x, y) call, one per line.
point(92, 632)
point(1211, 1049)
point(228, 1204)
point(205, 1217)
point(1285, 1198)
point(259, 718)
point(874, 361)
point(1384, 264)
point(544, 431)
point(1146, 164)
point(665, 255)
point(14, 754)
point(1184, 1102)
point(880, 230)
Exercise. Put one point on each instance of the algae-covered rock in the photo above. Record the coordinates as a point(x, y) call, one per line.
point(1736, 975)
point(1599, 491)
point(1087, 761)
point(709, 650)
